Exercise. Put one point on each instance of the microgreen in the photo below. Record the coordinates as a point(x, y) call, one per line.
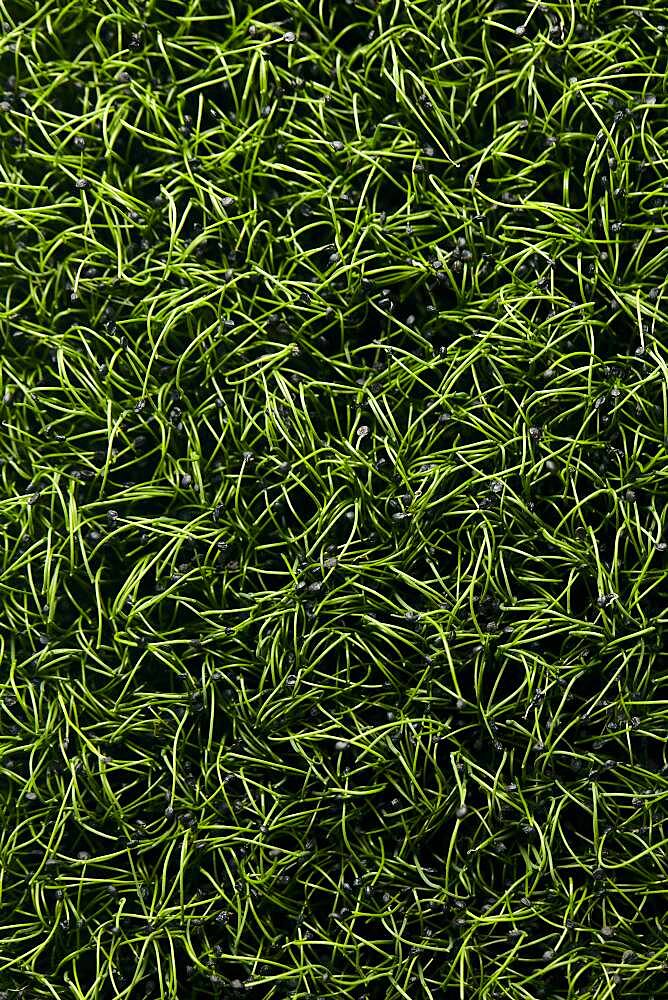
point(334, 416)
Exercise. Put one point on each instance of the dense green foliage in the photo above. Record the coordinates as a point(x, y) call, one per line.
point(334, 392)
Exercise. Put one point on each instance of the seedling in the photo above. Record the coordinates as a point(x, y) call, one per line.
point(333, 389)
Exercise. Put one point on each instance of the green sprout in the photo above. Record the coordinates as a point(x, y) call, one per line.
point(333, 451)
